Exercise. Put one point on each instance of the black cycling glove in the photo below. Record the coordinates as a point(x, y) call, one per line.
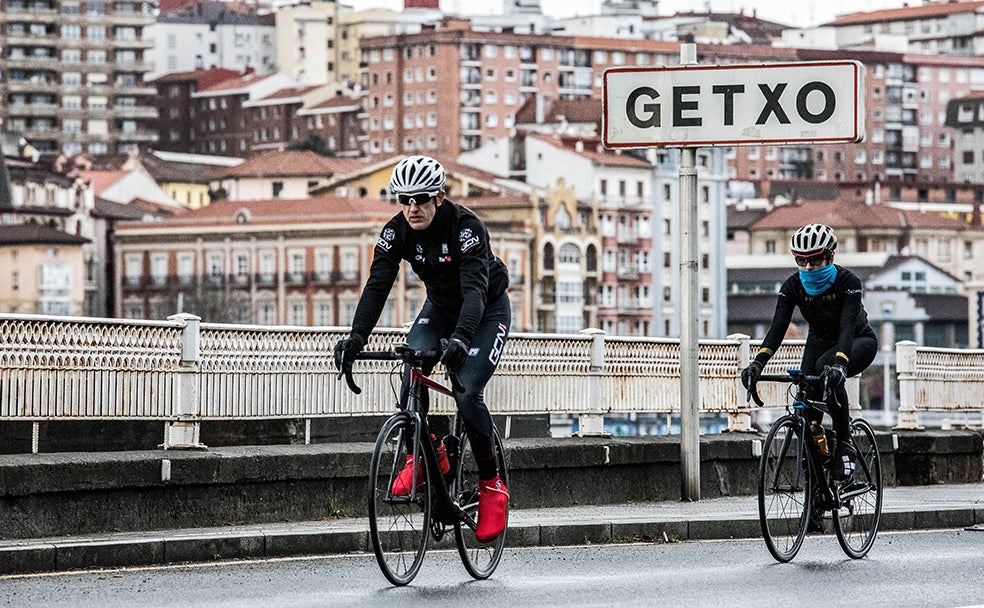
point(750, 374)
point(834, 376)
point(454, 355)
point(347, 349)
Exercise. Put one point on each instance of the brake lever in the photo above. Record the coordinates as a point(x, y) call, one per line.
point(753, 395)
point(345, 369)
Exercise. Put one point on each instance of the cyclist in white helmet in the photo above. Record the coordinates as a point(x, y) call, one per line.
point(467, 305)
point(840, 342)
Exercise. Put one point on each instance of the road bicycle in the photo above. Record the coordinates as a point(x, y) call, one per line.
point(795, 485)
point(400, 526)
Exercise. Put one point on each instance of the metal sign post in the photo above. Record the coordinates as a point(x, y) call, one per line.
point(691, 105)
point(689, 313)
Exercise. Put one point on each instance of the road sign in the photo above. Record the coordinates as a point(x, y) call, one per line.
point(698, 105)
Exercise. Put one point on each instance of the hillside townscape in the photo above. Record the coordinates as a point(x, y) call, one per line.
point(231, 160)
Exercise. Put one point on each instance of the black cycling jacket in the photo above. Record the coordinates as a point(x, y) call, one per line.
point(452, 257)
point(836, 316)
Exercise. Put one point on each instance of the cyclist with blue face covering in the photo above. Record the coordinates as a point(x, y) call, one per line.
point(840, 342)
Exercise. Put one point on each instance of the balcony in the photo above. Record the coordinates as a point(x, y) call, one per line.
point(133, 112)
point(33, 109)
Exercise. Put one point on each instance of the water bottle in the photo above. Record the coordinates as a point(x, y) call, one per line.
point(820, 437)
point(451, 447)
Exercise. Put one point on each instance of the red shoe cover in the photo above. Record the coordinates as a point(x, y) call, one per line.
point(401, 485)
point(493, 500)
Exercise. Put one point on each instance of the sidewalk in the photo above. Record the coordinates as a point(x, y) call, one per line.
point(905, 508)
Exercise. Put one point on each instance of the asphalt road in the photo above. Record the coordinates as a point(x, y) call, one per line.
point(917, 569)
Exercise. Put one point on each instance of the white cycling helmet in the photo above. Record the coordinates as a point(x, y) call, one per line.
point(417, 174)
point(812, 239)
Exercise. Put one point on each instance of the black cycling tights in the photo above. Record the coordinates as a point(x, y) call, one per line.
point(818, 354)
point(483, 357)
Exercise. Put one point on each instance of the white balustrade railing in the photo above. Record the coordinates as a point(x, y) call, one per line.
point(938, 379)
point(184, 372)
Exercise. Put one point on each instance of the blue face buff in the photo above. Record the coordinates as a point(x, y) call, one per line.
point(818, 280)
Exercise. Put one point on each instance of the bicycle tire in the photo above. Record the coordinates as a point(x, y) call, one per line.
point(399, 526)
point(858, 514)
point(784, 489)
point(479, 559)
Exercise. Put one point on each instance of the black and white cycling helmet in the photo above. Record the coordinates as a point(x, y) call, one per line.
point(813, 239)
point(417, 174)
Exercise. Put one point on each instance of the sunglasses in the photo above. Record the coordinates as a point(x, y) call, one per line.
point(418, 198)
point(816, 259)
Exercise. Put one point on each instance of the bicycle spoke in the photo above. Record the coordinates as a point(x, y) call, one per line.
point(784, 490)
point(858, 515)
point(398, 525)
point(479, 559)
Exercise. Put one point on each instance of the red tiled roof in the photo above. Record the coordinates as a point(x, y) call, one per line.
point(170, 6)
point(289, 92)
point(573, 110)
point(592, 150)
point(453, 167)
point(291, 163)
point(853, 215)
point(101, 180)
point(37, 234)
point(493, 202)
point(238, 82)
point(926, 11)
point(337, 101)
point(203, 78)
point(281, 211)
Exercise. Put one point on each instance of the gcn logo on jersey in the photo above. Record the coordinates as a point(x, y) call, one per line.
point(385, 241)
point(467, 239)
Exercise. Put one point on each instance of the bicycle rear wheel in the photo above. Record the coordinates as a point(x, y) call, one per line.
point(858, 515)
point(479, 559)
point(398, 525)
point(784, 489)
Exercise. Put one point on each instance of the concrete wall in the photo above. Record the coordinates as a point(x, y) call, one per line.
point(77, 493)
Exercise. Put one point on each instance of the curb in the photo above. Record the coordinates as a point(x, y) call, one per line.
point(351, 536)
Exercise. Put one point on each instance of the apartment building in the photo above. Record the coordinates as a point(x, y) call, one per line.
point(212, 34)
point(965, 115)
point(221, 124)
point(176, 125)
point(296, 262)
point(634, 199)
point(308, 41)
point(72, 74)
point(948, 27)
point(291, 174)
point(951, 244)
point(456, 87)
point(43, 270)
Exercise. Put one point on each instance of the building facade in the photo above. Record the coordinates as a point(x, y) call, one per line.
point(72, 74)
point(212, 34)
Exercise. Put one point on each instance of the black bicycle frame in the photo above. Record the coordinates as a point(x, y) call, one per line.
point(800, 403)
point(414, 403)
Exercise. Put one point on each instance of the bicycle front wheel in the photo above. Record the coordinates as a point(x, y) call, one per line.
point(398, 524)
point(784, 489)
point(479, 559)
point(858, 514)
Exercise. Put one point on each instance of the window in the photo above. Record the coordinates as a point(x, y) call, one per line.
point(186, 267)
point(569, 254)
point(132, 269)
point(570, 292)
